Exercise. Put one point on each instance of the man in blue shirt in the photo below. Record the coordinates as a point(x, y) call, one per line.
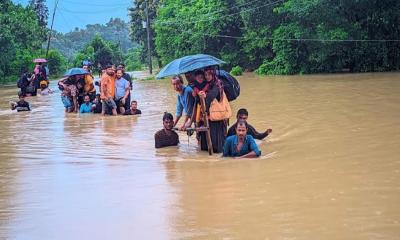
point(241, 145)
point(184, 102)
point(122, 91)
point(86, 106)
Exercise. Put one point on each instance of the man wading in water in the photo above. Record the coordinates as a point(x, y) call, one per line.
point(108, 91)
point(184, 103)
point(241, 145)
point(166, 137)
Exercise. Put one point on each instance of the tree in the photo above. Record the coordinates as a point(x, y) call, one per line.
point(20, 40)
point(41, 10)
point(55, 62)
point(197, 28)
point(100, 52)
point(138, 33)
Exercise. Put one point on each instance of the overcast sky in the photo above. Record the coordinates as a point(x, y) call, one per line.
point(76, 13)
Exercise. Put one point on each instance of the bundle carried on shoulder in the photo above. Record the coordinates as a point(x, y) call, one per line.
point(220, 110)
point(231, 85)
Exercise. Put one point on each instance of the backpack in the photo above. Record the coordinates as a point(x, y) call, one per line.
point(22, 82)
point(231, 85)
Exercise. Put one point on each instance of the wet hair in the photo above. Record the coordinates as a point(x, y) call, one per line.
point(167, 116)
point(133, 101)
point(108, 66)
point(199, 72)
point(179, 77)
point(210, 68)
point(242, 111)
point(241, 123)
point(121, 64)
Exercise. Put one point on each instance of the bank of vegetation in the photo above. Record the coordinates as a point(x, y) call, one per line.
point(275, 36)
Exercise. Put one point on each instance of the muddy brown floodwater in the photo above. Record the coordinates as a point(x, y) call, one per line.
point(329, 170)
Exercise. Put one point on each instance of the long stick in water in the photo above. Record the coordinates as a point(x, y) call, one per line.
point(207, 125)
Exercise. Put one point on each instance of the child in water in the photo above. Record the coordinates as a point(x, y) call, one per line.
point(21, 105)
point(44, 89)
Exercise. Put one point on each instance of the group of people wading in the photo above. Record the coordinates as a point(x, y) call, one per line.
point(205, 85)
point(37, 80)
point(78, 92)
point(202, 104)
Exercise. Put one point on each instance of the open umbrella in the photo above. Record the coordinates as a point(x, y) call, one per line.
point(75, 71)
point(188, 63)
point(39, 60)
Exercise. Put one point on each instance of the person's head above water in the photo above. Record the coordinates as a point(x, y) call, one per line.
point(199, 76)
point(209, 73)
point(121, 66)
point(168, 121)
point(86, 99)
point(241, 128)
point(133, 105)
point(110, 70)
point(177, 83)
point(242, 114)
point(189, 77)
point(21, 97)
point(120, 72)
point(43, 85)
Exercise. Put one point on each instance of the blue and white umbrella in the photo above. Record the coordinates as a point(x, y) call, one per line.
point(75, 71)
point(188, 63)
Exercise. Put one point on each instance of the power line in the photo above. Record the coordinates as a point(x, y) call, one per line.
point(87, 12)
point(309, 39)
point(88, 4)
point(232, 14)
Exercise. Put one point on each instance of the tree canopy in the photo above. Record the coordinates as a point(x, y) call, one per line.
point(277, 36)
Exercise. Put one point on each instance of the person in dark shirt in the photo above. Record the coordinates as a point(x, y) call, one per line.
point(243, 114)
point(97, 104)
point(166, 137)
point(127, 77)
point(21, 105)
point(133, 109)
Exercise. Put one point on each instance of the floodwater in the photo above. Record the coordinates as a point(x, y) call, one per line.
point(329, 170)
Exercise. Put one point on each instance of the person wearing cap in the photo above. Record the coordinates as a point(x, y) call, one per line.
point(44, 89)
point(167, 136)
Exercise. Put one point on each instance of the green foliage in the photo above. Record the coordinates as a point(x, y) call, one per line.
point(137, 32)
point(41, 10)
point(116, 31)
point(276, 37)
point(100, 52)
point(132, 60)
point(183, 29)
point(21, 37)
point(56, 62)
point(237, 71)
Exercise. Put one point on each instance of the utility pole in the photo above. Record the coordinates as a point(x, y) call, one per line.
point(148, 37)
point(51, 28)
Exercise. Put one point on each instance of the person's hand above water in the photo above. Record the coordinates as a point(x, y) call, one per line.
point(269, 130)
point(202, 94)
